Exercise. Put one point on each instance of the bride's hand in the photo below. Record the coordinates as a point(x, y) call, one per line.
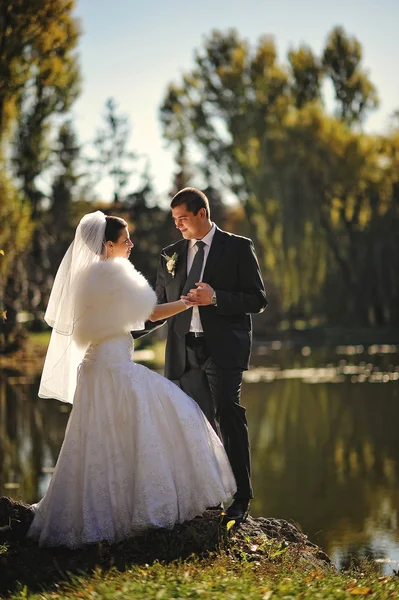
point(188, 303)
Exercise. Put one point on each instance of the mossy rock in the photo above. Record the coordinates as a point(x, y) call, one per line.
point(23, 562)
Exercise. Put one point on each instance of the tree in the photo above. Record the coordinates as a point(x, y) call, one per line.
point(34, 35)
point(232, 105)
point(151, 227)
point(348, 182)
point(64, 189)
point(52, 88)
point(354, 92)
point(313, 189)
point(113, 156)
point(15, 236)
point(307, 75)
point(39, 78)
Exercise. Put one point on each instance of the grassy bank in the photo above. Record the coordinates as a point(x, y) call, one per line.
point(30, 357)
point(220, 577)
point(204, 558)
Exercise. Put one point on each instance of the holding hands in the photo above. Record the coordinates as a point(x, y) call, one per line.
point(202, 295)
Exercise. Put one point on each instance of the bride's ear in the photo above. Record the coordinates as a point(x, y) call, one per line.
point(108, 250)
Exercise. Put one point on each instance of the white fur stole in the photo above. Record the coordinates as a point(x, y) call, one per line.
point(111, 297)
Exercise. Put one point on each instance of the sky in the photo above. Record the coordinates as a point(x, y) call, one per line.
point(132, 50)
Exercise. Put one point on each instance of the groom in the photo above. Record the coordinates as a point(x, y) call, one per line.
point(208, 346)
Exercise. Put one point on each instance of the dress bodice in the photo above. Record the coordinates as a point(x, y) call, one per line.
point(117, 349)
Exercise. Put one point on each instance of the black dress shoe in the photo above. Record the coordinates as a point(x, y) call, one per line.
point(238, 510)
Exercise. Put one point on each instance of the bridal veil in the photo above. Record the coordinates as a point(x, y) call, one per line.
point(63, 355)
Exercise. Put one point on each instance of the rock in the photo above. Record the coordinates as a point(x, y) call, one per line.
point(258, 539)
point(15, 519)
point(282, 531)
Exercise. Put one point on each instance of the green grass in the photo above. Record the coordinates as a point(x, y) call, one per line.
point(40, 338)
point(222, 577)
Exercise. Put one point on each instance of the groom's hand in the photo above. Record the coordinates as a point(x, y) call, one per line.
point(201, 295)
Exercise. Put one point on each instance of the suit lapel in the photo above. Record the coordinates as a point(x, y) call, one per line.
point(216, 250)
point(180, 277)
point(181, 271)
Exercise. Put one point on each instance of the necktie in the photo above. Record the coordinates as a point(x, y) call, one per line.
point(183, 320)
point(195, 272)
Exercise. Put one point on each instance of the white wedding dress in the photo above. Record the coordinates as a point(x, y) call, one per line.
point(138, 452)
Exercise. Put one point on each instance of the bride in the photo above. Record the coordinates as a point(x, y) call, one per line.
point(137, 452)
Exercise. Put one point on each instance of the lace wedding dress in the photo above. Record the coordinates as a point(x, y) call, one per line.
point(138, 452)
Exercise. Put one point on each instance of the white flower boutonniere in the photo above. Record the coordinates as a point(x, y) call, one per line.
point(171, 262)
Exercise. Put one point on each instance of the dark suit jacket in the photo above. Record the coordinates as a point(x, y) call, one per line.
point(233, 271)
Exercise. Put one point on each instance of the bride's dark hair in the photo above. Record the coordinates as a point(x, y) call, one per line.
point(113, 227)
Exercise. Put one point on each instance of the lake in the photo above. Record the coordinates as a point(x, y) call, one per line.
point(324, 441)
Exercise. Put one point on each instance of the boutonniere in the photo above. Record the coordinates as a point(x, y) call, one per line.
point(171, 262)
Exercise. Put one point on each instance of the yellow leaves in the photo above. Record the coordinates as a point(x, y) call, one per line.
point(303, 58)
point(4, 315)
point(191, 81)
point(230, 524)
point(252, 153)
point(15, 232)
point(314, 575)
point(222, 71)
point(42, 28)
point(238, 58)
point(266, 53)
point(176, 108)
point(355, 590)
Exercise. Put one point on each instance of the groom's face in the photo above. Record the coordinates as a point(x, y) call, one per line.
point(190, 225)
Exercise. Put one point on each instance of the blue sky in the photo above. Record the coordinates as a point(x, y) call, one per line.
point(131, 50)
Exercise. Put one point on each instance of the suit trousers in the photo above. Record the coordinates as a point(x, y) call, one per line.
point(217, 391)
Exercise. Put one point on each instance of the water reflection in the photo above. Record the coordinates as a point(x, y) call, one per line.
point(31, 434)
point(324, 454)
point(327, 456)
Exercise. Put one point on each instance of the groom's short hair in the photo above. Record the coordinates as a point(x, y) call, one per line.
point(194, 200)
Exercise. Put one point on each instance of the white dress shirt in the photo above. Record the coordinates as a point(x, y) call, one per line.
point(196, 324)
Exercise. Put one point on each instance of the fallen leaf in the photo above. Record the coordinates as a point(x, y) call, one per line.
point(361, 591)
point(230, 524)
point(352, 584)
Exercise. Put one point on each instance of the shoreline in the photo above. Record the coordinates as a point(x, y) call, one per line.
point(261, 559)
point(30, 356)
